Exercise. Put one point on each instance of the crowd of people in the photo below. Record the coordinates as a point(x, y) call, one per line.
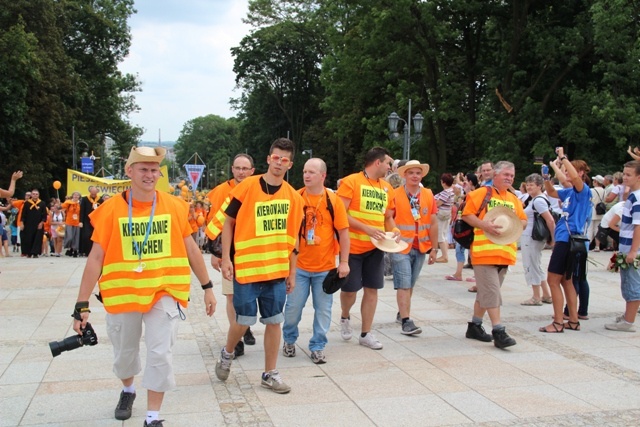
point(275, 246)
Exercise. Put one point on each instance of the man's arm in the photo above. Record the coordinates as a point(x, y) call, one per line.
point(90, 276)
point(433, 237)
point(635, 244)
point(196, 261)
point(345, 243)
point(227, 236)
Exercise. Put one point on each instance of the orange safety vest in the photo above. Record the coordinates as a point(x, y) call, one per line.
point(483, 250)
point(266, 230)
point(164, 256)
point(408, 225)
point(370, 200)
point(219, 198)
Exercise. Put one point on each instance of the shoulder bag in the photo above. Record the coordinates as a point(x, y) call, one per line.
point(463, 232)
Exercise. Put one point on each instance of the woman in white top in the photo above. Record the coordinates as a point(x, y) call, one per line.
point(532, 249)
point(597, 196)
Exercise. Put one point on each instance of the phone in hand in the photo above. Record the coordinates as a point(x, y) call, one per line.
point(544, 170)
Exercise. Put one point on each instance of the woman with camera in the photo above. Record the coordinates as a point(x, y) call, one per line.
point(569, 252)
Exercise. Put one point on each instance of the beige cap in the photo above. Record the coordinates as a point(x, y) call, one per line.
point(145, 154)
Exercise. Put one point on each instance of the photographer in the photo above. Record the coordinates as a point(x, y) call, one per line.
point(144, 278)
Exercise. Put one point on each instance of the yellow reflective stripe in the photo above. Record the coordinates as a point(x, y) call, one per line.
point(359, 236)
point(424, 227)
point(405, 227)
point(265, 241)
point(506, 249)
point(424, 239)
point(263, 256)
point(142, 300)
point(149, 265)
point(407, 239)
point(374, 217)
point(123, 282)
point(261, 271)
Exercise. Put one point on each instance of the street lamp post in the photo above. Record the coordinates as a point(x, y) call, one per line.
point(407, 140)
point(309, 152)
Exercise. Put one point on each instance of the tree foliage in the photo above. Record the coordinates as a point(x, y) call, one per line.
point(59, 65)
point(493, 79)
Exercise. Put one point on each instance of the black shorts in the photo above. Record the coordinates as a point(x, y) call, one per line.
point(366, 270)
point(559, 258)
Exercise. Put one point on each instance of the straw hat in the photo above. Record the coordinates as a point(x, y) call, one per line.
point(389, 244)
point(145, 154)
point(332, 282)
point(413, 164)
point(510, 223)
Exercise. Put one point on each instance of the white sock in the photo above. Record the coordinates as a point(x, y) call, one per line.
point(129, 389)
point(152, 416)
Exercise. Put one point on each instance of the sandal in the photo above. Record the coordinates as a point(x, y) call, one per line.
point(473, 289)
point(574, 326)
point(555, 327)
point(532, 301)
point(547, 300)
point(453, 278)
point(583, 317)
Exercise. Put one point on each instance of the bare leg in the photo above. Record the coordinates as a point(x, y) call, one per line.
point(236, 331)
point(631, 311)
point(403, 296)
point(154, 400)
point(368, 308)
point(272, 333)
point(347, 299)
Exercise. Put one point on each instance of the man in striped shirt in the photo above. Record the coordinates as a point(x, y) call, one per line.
point(629, 245)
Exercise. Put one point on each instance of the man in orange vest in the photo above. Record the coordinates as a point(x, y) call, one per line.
point(325, 216)
point(268, 213)
point(415, 216)
point(491, 260)
point(369, 201)
point(241, 168)
point(142, 256)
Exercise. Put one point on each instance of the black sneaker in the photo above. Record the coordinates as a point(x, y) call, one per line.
point(125, 404)
point(501, 339)
point(155, 423)
point(239, 350)
point(477, 332)
point(249, 339)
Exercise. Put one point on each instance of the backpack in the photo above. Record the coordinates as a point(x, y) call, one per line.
point(463, 232)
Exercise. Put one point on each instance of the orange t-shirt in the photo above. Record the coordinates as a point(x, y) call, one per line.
point(321, 254)
point(166, 269)
point(72, 212)
point(483, 250)
point(219, 199)
point(369, 201)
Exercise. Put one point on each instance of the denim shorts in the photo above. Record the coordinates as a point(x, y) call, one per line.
point(406, 268)
point(269, 297)
point(630, 284)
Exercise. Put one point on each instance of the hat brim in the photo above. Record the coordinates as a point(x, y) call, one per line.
point(423, 166)
point(389, 244)
point(333, 282)
point(510, 223)
point(143, 155)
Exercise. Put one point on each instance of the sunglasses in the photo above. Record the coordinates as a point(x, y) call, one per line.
point(284, 161)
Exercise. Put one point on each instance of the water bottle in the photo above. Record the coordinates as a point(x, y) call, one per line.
point(545, 170)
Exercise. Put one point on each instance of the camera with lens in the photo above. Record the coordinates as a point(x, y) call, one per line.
point(88, 337)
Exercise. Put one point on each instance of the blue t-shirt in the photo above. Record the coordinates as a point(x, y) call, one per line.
point(575, 207)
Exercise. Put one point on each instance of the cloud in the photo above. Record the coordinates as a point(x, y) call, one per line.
point(181, 54)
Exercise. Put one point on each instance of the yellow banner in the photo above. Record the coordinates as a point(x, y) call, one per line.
point(78, 181)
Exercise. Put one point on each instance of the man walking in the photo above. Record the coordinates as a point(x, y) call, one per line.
point(369, 201)
point(324, 217)
point(88, 204)
point(219, 198)
point(268, 213)
point(415, 216)
point(491, 260)
point(141, 256)
point(34, 216)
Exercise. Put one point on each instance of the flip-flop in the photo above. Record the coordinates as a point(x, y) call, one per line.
point(471, 289)
point(453, 278)
point(471, 279)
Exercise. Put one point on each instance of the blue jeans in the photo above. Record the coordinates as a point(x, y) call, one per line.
point(460, 253)
point(406, 268)
point(269, 297)
point(308, 282)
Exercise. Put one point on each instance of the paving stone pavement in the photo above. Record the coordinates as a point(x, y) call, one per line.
point(585, 378)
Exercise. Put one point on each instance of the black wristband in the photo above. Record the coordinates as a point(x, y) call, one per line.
point(563, 158)
point(295, 251)
point(81, 304)
point(208, 285)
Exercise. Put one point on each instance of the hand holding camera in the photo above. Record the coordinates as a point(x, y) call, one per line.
point(88, 337)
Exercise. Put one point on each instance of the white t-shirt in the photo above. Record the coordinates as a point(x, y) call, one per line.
point(541, 205)
point(615, 210)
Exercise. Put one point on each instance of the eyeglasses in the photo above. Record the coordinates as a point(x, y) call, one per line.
point(280, 159)
point(241, 169)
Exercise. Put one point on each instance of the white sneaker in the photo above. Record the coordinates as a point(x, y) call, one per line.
point(620, 325)
point(370, 341)
point(345, 329)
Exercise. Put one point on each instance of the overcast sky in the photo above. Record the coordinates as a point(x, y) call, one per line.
point(181, 53)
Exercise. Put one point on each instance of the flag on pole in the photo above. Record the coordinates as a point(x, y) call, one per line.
point(194, 173)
